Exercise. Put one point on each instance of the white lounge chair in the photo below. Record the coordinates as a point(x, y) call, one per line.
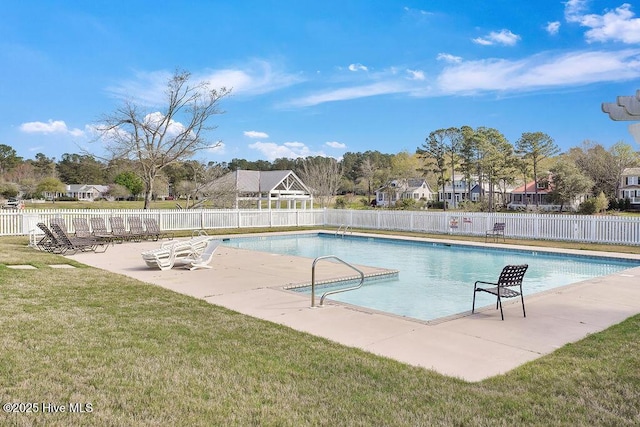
point(166, 256)
point(203, 260)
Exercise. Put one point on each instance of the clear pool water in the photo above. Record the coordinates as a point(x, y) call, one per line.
point(435, 280)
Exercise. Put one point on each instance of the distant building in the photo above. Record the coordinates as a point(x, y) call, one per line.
point(84, 192)
point(525, 197)
point(416, 189)
point(630, 186)
point(87, 192)
point(278, 189)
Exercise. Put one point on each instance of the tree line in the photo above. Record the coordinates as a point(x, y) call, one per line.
point(446, 156)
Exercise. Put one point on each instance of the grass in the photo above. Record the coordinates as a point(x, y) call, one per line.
point(104, 204)
point(145, 356)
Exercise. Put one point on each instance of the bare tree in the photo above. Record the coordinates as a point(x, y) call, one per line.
point(322, 175)
point(201, 188)
point(367, 172)
point(157, 139)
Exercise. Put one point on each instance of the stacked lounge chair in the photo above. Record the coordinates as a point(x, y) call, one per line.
point(180, 252)
point(66, 243)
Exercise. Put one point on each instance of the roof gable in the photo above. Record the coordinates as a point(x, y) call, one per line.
point(248, 181)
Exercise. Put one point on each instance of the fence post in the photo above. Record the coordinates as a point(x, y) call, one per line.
point(593, 229)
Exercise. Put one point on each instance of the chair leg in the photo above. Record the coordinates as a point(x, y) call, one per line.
point(500, 303)
point(473, 307)
point(522, 298)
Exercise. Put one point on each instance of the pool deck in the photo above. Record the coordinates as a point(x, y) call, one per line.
point(471, 347)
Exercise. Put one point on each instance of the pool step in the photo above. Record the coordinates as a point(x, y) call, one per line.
point(348, 280)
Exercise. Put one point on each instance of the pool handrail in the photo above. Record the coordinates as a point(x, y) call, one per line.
point(313, 280)
point(346, 228)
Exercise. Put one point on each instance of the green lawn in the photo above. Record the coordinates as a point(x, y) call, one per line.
point(143, 355)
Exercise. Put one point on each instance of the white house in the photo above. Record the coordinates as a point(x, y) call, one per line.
point(87, 192)
point(84, 192)
point(630, 186)
point(416, 189)
point(456, 192)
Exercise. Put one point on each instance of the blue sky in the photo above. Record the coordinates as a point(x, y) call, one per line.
point(321, 77)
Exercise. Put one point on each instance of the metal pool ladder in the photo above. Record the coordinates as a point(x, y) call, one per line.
point(313, 280)
point(346, 227)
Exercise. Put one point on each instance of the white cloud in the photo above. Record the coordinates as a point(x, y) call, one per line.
point(357, 67)
point(574, 9)
point(553, 28)
point(616, 25)
point(51, 126)
point(289, 150)
point(378, 88)
point(449, 58)
point(217, 148)
point(255, 134)
point(335, 144)
point(503, 37)
point(254, 78)
point(257, 77)
point(418, 11)
point(157, 120)
point(416, 74)
point(540, 72)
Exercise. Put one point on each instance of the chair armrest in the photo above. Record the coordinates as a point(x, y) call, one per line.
point(486, 283)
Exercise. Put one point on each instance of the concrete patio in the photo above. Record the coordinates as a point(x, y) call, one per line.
point(471, 347)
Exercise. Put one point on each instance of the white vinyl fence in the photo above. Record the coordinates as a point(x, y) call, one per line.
point(576, 228)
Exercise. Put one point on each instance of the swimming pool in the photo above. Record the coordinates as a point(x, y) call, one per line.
point(435, 279)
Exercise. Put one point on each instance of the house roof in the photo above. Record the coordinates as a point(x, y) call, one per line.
point(631, 172)
point(410, 185)
point(530, 188)
point(248, 181)
point(79, 188)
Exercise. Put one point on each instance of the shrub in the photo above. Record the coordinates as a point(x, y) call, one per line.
point(406, 204)
point(601, 202)
point(341, 203)
point(588, 207)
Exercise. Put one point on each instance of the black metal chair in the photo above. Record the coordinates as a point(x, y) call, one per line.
point(511, 277)
point(495, 232)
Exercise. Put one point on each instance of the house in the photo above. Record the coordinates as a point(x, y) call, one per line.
point(630, 186)
point(85, 192)
point(500, 195)
point(458, 191)
point(525, 197)
point(279, 189)
point(416, 189)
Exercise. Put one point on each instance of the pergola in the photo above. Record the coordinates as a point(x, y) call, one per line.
point(282, 188)
point(626, 108)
